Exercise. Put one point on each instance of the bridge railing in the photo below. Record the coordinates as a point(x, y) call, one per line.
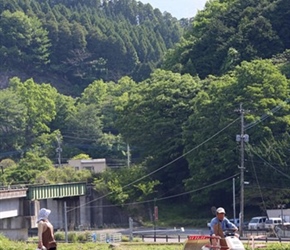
point(13, 187)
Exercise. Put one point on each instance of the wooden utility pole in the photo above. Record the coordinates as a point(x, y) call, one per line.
point(242, 138)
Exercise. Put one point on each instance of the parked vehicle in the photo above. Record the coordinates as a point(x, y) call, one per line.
point(257, 223)
point(245, 225)
point(272, 222)
point(275, 221)
point(235, 221)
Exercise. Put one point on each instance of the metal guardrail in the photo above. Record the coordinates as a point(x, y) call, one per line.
point(181, 239)
point(12, 187)
point(105, 237)
point(166, 238)
point(48, 191)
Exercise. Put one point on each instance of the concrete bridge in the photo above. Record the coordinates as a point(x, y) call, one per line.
point(19, 206)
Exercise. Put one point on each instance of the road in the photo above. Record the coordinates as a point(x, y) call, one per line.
point(173, 235)
point(170, 235)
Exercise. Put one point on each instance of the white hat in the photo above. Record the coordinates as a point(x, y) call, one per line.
point(43, 214)
point(220, 210)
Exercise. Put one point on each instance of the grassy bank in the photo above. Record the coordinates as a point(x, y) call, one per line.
point(6, 244)
point(122, 246)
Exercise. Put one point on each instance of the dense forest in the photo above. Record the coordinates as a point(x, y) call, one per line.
point(156, 94)
point(80, 41)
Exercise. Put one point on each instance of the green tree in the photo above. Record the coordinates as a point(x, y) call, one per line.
point(95, 93)
point(24, 42)
point(62, 47)
point(151, 118)
point(39, 101)
point(5, 165)
point(268, 165)
point(122, 190)
point(65, 108)
point(45, 145)
point(12, 123)
point(81, 156)
point(245, 26)
point(259, 39)
point(27, 169)
point(84, 130)
point(103, 96)
point(63, 175)
point(260, 87)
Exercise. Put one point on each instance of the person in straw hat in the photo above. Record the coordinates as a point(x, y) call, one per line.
point(45, 231)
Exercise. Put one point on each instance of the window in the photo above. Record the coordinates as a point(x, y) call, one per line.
point(91, 168)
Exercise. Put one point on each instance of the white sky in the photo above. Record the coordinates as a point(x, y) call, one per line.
point(178, 8)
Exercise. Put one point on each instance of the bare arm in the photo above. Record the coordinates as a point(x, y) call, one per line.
point(218, 231)
point(41, 229)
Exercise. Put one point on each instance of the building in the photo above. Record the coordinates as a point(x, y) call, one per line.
point(94, 165)
point(281, 213)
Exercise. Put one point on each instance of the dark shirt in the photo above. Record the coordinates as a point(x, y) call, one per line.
point(48, 238)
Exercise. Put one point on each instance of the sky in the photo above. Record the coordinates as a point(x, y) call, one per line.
point(177, 8)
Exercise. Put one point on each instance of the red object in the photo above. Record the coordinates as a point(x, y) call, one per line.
point(155, 213)
point(202, 237)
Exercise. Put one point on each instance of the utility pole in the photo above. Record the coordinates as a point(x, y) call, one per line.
point(282, 206)
point(234, 200)
point(65, 223)
point(242, 138)
point(128, 155)
point(242, 170)
point(58, 150)
point(131, 229)
point(155, 218)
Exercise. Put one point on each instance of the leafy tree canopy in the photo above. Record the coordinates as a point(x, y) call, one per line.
point(259, 80)
point(247, 28)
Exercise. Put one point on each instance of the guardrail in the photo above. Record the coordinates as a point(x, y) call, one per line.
point(105, 237)
point(166, 238)
point(12, 187)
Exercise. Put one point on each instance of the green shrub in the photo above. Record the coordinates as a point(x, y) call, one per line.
point(72, 237)
point(59, 236)
point(125, 238)
point(82, 237)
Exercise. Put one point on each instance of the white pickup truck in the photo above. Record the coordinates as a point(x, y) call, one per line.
point(271, 222)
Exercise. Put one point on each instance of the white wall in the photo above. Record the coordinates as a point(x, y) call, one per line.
point(278, 213)
point(96, 165)
point(19, 234)
point(9, 208)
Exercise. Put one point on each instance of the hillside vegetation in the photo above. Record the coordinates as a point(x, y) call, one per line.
point(228, 32)
point(80, 41)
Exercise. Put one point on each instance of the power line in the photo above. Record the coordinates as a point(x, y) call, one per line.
point(257, 180)
point(164, 166)
point(173, 196)
point(267, 163)
point(266, 115)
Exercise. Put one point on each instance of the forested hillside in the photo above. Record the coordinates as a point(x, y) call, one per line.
point(80, 41)
point(229, 32)
point(176, 126)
